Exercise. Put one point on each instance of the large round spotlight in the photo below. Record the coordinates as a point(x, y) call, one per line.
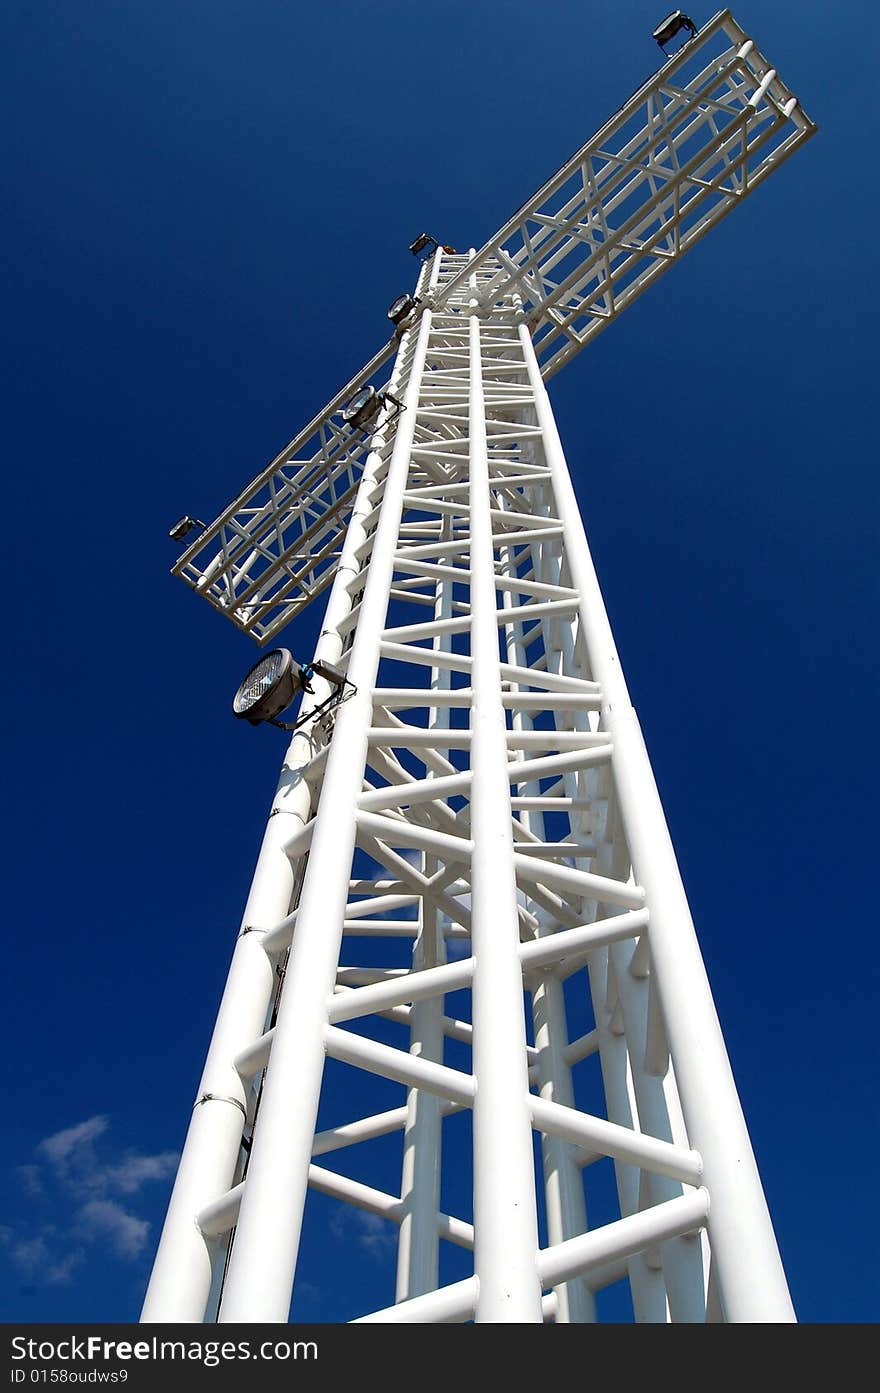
point(424, 242)
point(671, 26)
point(400, 310)
point(427, 244)
point(362, 408)
point(183, 527)
point(270, 685)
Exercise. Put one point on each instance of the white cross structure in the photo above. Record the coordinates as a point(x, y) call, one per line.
point(480, 806)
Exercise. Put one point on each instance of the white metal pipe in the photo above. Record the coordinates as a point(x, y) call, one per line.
point(401, 698)
point(220, 1217)
point(413, 986)
point(337, 1138)
point(582, 884)
point(409, 633)
point(556, 947)
point(626, 1236)
point(646, 1284)
point(563, 1183)
point(364, 1129)
point(418, 1249)
point(593, 1251)
point(761, 90)
point(418, 1245)
point(455, 1231)
point(610, 1139)
point(414, 737)
point(254, 1056)
point(751, 1277)
point(182, 1274)
point(596, 751)
point(379, 928)
point(681, 1259)
point(582, 1047)
point(418, 791)
point(181, 1278)
point(398, 1064)
point(552, 701)
point(505, 1205)
point(260, 1274)
point(342, 1187)
point(299, 843)
point(406, 834)
point(446, 1305)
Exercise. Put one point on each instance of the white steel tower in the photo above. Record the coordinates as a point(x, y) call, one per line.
point(477, 802)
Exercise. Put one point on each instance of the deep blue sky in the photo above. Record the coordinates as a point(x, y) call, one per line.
point(210, 209)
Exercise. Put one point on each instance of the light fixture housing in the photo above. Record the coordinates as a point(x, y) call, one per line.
point(183, 527)
point(424, 242)
point(268, 688)
point(330, 672)
point(401, 309)
point(672, 25)
point(362, 408)
point(275, 680)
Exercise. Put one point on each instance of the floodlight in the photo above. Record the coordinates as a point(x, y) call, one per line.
point(423, 242)
point(672, 25)
point(275, 680)
point(401, 309)
point(426, 243)
point(361, 410)
point(271, 684)
point(183, 527)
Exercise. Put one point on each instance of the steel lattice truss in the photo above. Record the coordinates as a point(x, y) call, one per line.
point(685, 149)
point(679, 156)
point(473, 839)
point(483, 803)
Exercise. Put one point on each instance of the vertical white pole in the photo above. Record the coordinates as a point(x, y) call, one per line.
point(563, 1181)
point(261, 1268)
point(180, 1281)
point(682, 1257)
point(418, 1243)
point(744, 1250)
point(505, 1212)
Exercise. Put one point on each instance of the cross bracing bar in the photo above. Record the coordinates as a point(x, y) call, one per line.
point(501, 840)
point(686, 148)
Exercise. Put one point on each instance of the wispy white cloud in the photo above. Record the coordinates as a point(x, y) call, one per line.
point(73, 1145)
point(373, 1233)
point(77, 1173)
point(30, 1254)
point(30, 1179)
point(59, 1273)
point(134, 1170)
point(37, 1258)
point(74, 1160)
point(107, 1219)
